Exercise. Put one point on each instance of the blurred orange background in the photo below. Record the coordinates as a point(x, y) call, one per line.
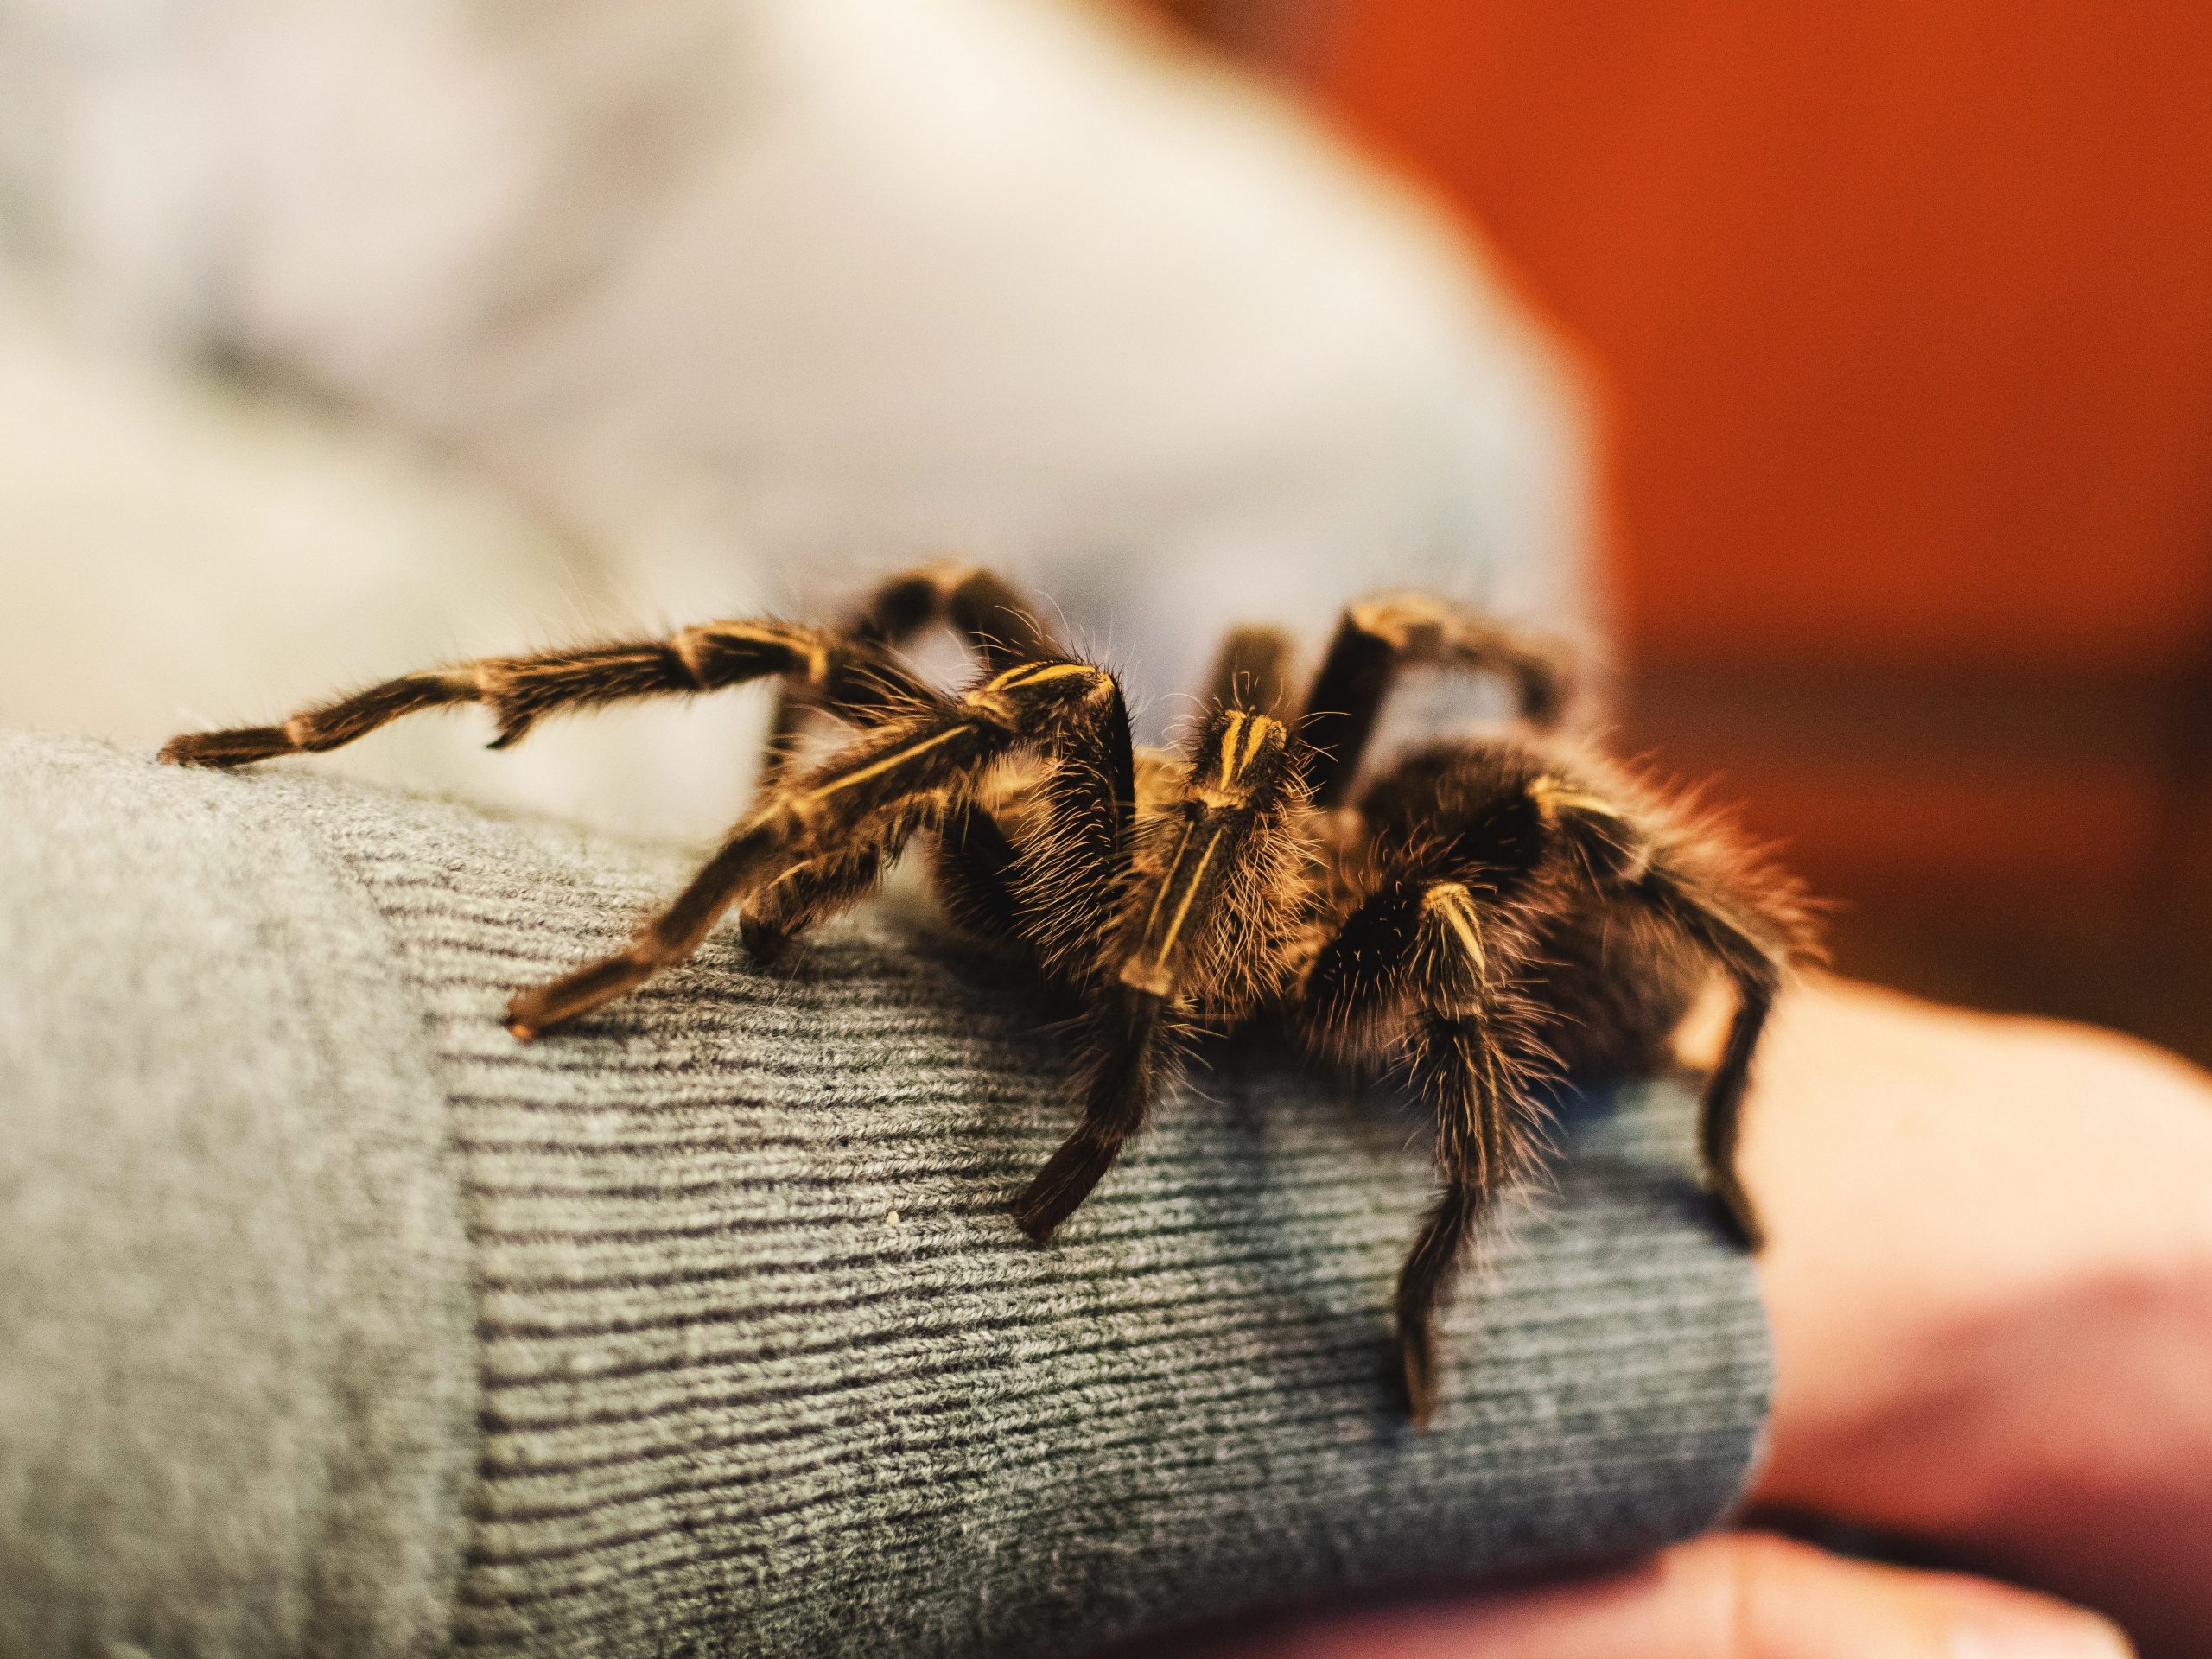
point(1902, 317)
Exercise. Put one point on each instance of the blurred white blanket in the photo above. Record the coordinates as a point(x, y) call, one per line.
point(619, 316)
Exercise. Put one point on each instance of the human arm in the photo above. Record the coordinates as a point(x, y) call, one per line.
point(336, 1322)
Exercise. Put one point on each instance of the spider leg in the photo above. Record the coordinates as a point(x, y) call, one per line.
point(1425, 966)
point(1218, 894)
point(1124, 1067)
point(520, 689)
point(781, 908)
point(1359, 981)
point(1378, 638)
point(1484, 1142)
point(1070, 883)
point(870, 797)
point(1051, 893)
point(995, 621)
point(1252, 671)
point(1755, 966)
point(1471, 1062)
point(972, 867)
point(1752, 927)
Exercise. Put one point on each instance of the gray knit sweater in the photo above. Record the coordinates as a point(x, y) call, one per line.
point(334, 1322)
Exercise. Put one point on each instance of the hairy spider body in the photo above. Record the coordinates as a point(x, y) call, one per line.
point(1517, 910)
point(1484, 914)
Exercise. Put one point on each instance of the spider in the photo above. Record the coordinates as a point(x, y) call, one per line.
point(1486, 913)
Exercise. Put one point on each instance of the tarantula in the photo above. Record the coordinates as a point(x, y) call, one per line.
point(1486, 913)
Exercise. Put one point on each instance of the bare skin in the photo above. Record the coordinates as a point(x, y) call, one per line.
point(1725, 1596)
point(1989, 1270)
point(2002, 1341)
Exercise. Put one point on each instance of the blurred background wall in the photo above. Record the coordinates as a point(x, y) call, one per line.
point(1902, 313)
point(338, 337)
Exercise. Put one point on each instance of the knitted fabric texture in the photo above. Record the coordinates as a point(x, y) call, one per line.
point(334, 1321)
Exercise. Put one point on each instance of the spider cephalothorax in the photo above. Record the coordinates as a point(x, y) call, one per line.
point(1486, 913)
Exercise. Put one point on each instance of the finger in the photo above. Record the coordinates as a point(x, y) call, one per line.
point(1727, 1596)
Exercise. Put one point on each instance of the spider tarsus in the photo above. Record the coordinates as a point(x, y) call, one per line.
point(1125, 1071)
point(573, 994)
point(1417, 1372)
point(1061, 1186)
point(1738, 1218)
point(765, 943)
point(512, 721)
point(240, 748)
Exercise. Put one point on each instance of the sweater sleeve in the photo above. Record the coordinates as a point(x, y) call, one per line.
point(334, 1321)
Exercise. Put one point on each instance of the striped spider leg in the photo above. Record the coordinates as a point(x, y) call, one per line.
point(849, 672)
point(1382, 636)
point(971, 856)
point(1421, 973)
point(998, 624)
point(1214, 920)
point(1203, 930)
point(864, 803)
point(1518, 910)
point(858, 675)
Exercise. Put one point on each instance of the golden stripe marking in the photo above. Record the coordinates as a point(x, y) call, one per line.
point(1228, 746)
point(797, 642)
point(1190, 893)
point(1457, 910)
point(895, 757)
point(759, 633)
point(1551, 795)
point(1261, 726)
point(1597, 804)
point(1182, 840)
point(686, 647)
point(1035, 674)
point(791, 875)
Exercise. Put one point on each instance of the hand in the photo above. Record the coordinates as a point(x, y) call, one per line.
point(1989, 1270)
point(1724, 1596)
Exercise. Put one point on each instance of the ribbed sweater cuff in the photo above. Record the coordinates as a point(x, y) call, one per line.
point(762, 1365)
